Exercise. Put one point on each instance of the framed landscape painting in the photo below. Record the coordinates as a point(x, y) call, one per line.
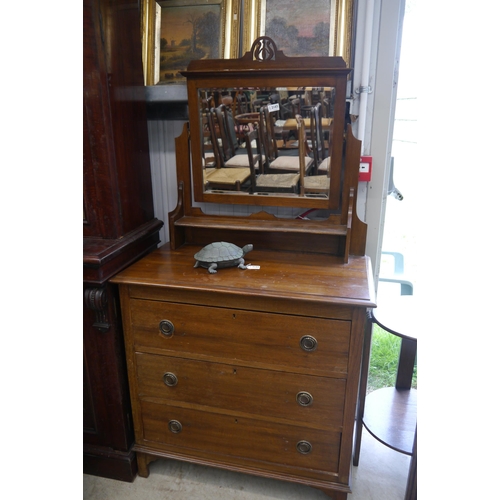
point(178, 31)
point(312, 28)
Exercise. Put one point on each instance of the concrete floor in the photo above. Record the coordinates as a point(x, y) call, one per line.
point(381, 474)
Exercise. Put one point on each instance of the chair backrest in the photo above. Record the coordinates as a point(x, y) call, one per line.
point(301, 136)
point(242, 104)
point(317, 138)
point(267, 134)
point(227, 129)
point(295, 102)
point(214, 138)
point(253, 137)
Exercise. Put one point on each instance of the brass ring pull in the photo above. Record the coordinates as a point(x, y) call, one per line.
point(308, 343)
point(304, 398)
point(304, 447)
point(166, 327)
point(175, 426)
point(170, 379)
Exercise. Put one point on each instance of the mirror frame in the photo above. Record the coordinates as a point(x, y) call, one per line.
point(265, 66)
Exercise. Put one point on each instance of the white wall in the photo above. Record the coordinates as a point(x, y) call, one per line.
point(385, 29)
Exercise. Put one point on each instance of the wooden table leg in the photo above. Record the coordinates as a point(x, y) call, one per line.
point(406, 364)
point(411, 485)
point(363, 384)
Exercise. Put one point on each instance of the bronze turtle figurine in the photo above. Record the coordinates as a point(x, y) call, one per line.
point(221, 254)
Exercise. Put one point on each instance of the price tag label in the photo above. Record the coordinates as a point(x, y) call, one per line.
point(273, 107)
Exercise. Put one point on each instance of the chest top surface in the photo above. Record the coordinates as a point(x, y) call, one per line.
point(321, 278)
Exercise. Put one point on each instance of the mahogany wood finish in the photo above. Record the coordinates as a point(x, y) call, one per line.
point(265, 67)
point(238, 365)
point(118, 227)
point(252, 370)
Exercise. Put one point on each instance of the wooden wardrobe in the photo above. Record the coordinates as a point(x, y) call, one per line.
point(118, 223)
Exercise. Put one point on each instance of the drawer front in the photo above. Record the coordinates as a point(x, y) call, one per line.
point(305, 343)
point(188, 431)
point(319, 401)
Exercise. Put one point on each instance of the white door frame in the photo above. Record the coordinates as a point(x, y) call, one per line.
point(384, 104)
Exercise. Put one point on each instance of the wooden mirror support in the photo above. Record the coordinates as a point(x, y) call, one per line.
point(341, 234)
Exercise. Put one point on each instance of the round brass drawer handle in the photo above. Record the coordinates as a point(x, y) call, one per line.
point(166, 327)
point(304, 398)
point(170, 379)
point(304, 447)
point(175, 426)
point(308, 343)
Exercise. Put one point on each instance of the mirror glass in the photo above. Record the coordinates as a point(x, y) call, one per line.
point(250, 140)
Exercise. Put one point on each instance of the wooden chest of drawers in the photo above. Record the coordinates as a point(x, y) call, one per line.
point(249, 370)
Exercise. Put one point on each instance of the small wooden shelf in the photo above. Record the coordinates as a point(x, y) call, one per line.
point(391, 417)
point(272, 225)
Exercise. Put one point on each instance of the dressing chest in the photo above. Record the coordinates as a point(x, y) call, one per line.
point(253, 370)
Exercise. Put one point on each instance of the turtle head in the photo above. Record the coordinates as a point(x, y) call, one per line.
point(247, 248)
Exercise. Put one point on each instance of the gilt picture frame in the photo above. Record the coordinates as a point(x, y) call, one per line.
point(175, 32)
point(315, 27)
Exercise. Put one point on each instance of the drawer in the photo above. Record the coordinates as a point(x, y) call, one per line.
point(319, 401)
point(189, 431)
point(249, 336)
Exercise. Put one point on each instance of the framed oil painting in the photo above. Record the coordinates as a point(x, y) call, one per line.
point(178, 31)
point(315, 27)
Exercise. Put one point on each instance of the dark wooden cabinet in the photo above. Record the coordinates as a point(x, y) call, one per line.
point(119, 226)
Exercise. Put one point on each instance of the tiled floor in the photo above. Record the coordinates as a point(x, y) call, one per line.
point(381, 475)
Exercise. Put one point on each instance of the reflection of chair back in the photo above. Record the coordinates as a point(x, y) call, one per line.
point(224, 160)
point(295, 102)
point(214, 137)
point(318, 185)
point(241, 104)
point(301, 137)
point(324, 166)
point(279, 163)
point(227, 129)
point(255, 160)
point(317, 137)
point(267, 183)
point(267, 133)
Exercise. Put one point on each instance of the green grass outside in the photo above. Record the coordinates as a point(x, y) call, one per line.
point(384, 360)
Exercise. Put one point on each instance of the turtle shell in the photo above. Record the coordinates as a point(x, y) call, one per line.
point(220, 251)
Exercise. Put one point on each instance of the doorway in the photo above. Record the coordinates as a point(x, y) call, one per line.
point(399, 236)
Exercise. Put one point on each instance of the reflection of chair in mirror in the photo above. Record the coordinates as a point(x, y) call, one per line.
point(278, 118)
point(267, 183)
point(278, 163)
point(227, 128)
point(231, 155)
point(295, 103)
point(241, 106)
point(316, 136)
point(220, 177)
point(309, 184)
point(241, 103)
point(208, 150)
point(232, 179)
point(324, 165)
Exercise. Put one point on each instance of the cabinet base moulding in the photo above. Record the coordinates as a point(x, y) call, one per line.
point(145, 457)
point(112, 464)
